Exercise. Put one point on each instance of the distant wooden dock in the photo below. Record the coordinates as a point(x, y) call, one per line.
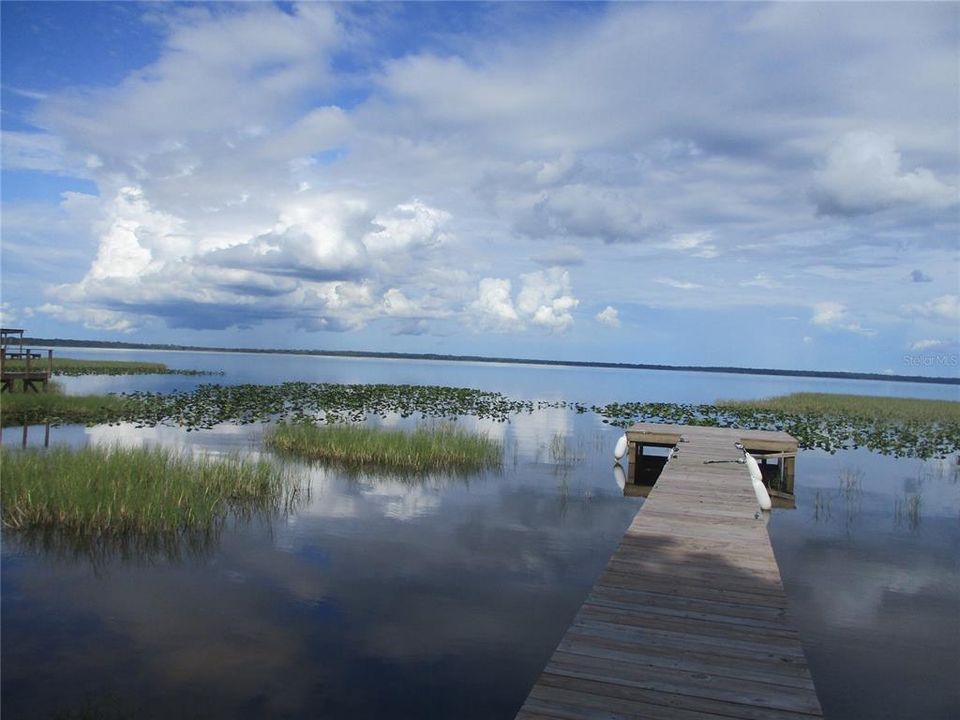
point(689, 619)
point(28, 367)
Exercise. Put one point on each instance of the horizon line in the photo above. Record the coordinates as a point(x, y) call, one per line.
point(389, 355)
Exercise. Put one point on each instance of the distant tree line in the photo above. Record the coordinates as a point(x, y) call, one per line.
point(61, 342)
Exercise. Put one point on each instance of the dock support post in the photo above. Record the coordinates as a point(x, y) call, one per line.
point(788, 472)
point(27, 381)
point(632, 449)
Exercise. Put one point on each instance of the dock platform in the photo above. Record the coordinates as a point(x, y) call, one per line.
point(689, 619)
point(23, 370)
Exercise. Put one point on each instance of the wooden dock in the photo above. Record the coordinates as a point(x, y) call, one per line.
point(689, 619)
point(23, 369)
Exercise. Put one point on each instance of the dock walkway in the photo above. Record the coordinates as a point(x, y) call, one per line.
point(688, 621)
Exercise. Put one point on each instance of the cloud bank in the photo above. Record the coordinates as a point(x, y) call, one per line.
point(290, 167)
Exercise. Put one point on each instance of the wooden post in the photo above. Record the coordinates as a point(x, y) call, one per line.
point(24, 441)
point(789, 470)
point(27, 381)
point(49, 363)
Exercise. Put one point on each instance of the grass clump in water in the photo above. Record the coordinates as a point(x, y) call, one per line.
point(426, 449)
point(113, 491)
point(54, 407)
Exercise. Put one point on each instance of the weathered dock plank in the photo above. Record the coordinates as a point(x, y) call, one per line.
point(689, 619)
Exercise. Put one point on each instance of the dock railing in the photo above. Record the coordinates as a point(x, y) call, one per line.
point(29, 375)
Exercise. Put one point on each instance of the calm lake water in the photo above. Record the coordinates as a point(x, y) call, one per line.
point(444, 598)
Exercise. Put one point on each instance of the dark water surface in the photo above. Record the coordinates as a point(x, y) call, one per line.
point(443, 598)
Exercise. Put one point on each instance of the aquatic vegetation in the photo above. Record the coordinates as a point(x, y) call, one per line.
point(563, 452)
point(907, 511)
point(75, 367)
point(851, 484)
point(822, 506)
point(54, 407)
point(445, 448)
point(863, 406)
point(891, 426)
point(114, 491)
point(331, 403)
point(209, 405)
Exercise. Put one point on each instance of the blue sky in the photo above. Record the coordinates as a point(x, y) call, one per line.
point(746, 184)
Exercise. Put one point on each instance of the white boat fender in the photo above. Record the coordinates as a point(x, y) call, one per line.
point(621, 447)
point(619, 476)
point(756, 477)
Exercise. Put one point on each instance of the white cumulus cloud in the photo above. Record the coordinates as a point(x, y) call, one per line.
point(945, 306)
point(493, 309)
point(609, 316)
point(835, 316)
point(545, 300)
point(407, 225)
point(863, 174)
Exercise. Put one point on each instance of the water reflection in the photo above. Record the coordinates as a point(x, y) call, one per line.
point(850, 492)
point(822, 506)
point(101, 551)
point(907, 511)
point(444, 596)
point(870, 569)
point(378, 596)
point(620, 476)
point(23, 434)
point(599, 385)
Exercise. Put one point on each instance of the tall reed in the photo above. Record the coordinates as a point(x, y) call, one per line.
point(115, 491)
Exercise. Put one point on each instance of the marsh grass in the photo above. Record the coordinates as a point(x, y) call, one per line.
point(910, 410)
point(75, 367)
point(54, 407)
point(894, 426)
point(903, 427)
point(439, 448)
point(118, 492)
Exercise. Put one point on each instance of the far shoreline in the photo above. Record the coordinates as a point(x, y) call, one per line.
point(835, 374)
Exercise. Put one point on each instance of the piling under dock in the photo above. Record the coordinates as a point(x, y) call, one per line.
point(689, 619)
